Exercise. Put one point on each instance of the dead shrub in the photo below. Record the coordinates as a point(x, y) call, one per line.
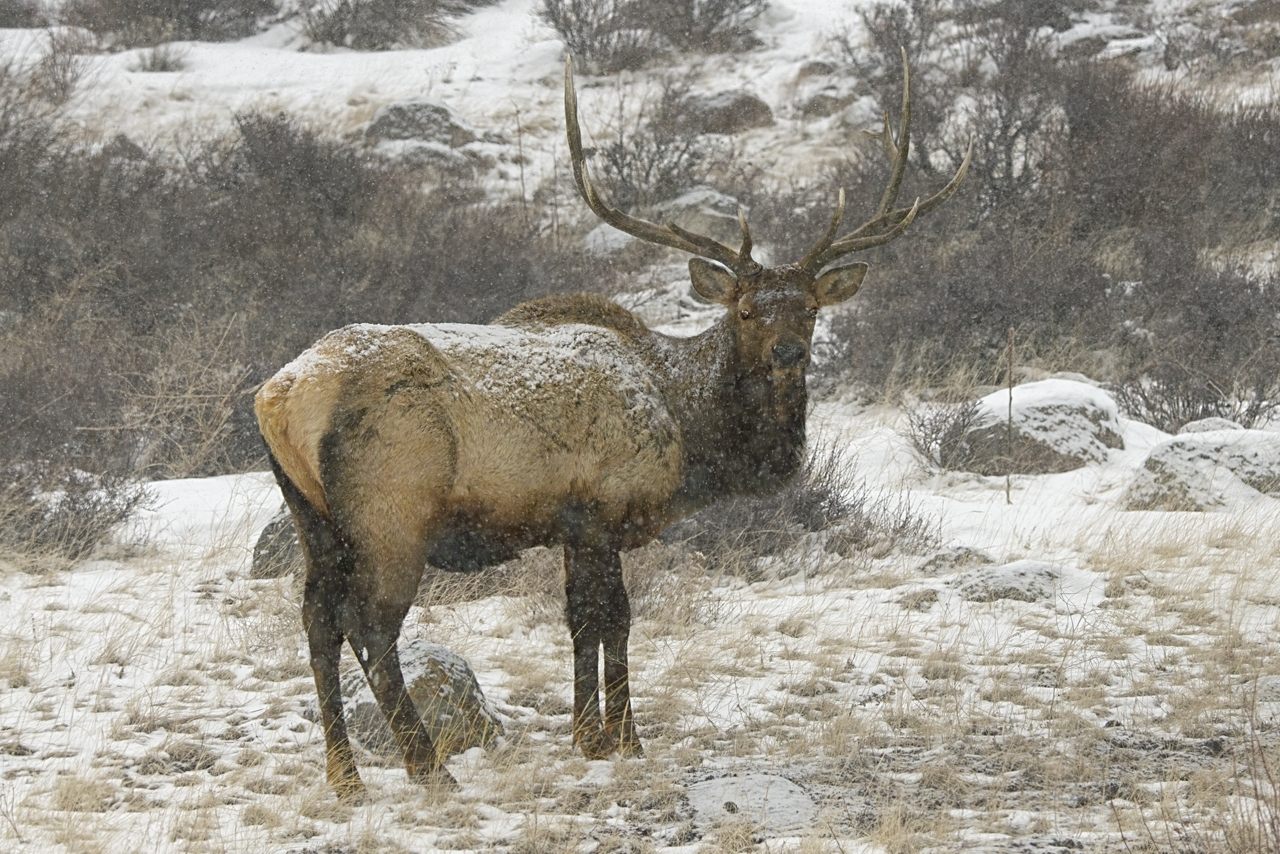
point(131, 23)
point(1203, 343)
point(606, 35)
point(936, 431)
point(187, 284)
point(58, 513)
point(708, 26)
point(63, 65)
point(162, 58)
point(21, 14)
point(655, 157)
point(734, 536)
point(613, 35)
point(379, 24)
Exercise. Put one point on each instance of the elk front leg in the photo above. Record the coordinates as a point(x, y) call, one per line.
point(586, 602)
point(619, 722)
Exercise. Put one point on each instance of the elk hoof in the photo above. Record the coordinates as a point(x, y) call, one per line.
point(349, 789)
point(597, 745)
point(630, 747)
point(434, 778)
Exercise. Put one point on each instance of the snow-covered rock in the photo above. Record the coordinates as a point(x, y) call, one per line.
point(443, 687)
point(1207, 470)
point(775, 805)
point(1024, 580)
point(725, 112)
point(705, 211)
point(425, 121)
point(422, 154)
point(700, 209)
point(1205, 425)
point(1058, 425)
point(953, 558)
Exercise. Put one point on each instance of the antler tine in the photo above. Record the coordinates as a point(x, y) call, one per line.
point(901, 146)
point(888, 222)
point(816, 251)
point(668, 235)
point(858, 239)
point(744, 251)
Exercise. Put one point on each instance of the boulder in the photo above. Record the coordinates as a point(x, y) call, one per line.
point(826, 101)
point(425, 121)
point(443, 687)
point(1205, 425)
point(277, 551)
point(1024, 580)
point(700, 209)
point(1058, 425)
point(419, 154)
point(705, 211)
point(1207, 470)
point(953, 558)
point(725, 113)
point(773, 804)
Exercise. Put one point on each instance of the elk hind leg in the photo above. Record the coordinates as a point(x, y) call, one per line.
point(390, 558)
point(323, 606)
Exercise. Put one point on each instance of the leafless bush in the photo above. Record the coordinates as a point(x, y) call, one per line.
point(1203, 342)
point(162, 58)
point(654, 157)
point(612, 35)
point(55, 512)
point(378, 24)
point(709, 26)
point(181, 409)
point(1210, 41)
point(606, 35)
point(131, 23)
point(32, 138)
point(735, 534)
point(1014, 116)
point(21, 14)
point(919, 28)
point(63, 65)
point(270, 237)
point(936, 431)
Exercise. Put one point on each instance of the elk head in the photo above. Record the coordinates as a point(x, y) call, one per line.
point(771, 310)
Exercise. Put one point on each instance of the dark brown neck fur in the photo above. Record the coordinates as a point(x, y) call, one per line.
point(732, 443)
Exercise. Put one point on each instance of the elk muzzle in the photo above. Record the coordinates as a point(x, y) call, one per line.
point(789, 353)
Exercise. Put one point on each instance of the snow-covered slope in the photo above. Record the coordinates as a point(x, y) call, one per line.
point(164, 696)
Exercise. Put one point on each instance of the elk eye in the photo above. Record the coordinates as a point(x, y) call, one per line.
point(744, 313)
point(813, 311)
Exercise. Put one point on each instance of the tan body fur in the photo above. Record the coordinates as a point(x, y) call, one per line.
point(500, 426)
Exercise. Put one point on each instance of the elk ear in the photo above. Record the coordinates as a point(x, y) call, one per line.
point(839, 284)
point(713, 282)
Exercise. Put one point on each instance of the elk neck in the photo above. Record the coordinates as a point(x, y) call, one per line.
point(742, 433)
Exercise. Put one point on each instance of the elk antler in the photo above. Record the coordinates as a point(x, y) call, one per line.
point(670, 234)
point(888, 222)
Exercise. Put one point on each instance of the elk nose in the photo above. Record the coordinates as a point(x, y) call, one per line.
point(788, 354)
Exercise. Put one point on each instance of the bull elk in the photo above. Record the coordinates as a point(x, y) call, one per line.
point(564, 422)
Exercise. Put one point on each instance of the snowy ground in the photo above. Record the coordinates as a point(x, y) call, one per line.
point(157, 699)
point(163, 696)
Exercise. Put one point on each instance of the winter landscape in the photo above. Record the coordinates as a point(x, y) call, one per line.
point(1022, 597)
